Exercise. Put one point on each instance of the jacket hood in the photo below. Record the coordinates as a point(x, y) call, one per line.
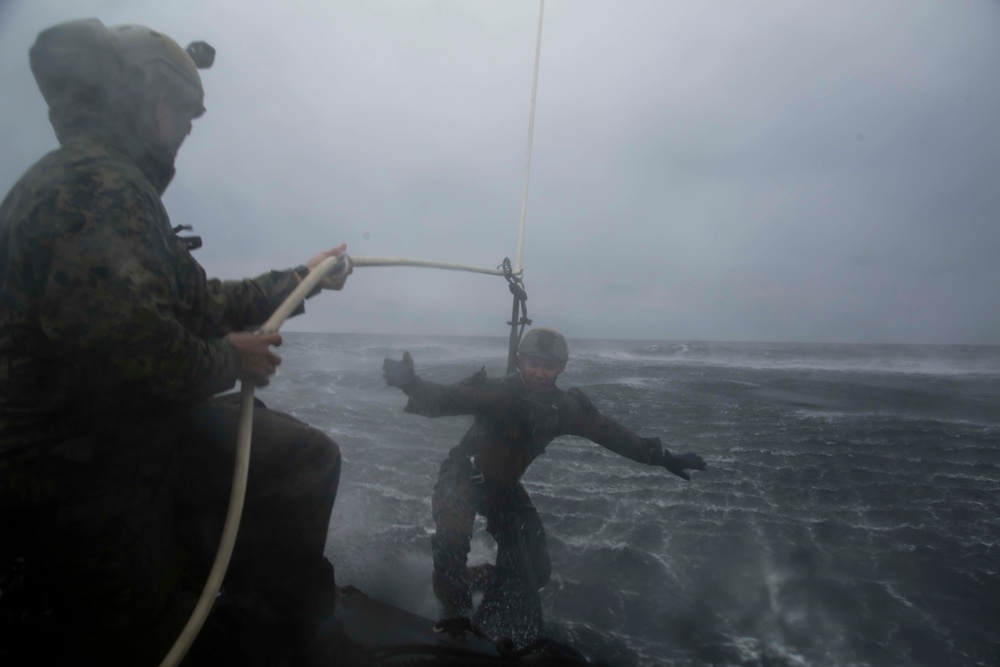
point(82, 76)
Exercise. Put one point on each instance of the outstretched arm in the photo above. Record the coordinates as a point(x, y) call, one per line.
point(232, 305)
point(589, 423)
point(430, 399)
point(678, 464)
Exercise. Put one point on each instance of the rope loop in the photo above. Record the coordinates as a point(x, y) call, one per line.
point(516, 323)
point(516, 286)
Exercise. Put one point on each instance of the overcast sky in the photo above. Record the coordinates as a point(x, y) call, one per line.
point(766, 170)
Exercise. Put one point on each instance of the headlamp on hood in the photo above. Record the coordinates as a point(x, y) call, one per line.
point(163, 62)
point(85, 58)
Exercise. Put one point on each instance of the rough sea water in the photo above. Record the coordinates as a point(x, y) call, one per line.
point(850, 514)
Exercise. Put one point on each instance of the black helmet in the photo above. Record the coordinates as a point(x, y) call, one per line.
point(544, 344)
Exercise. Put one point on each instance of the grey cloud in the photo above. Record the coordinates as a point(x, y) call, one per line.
point(769, 171)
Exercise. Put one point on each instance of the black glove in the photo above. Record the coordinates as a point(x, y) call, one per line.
point(676, 464)
point(679, 463)
point(399, 373)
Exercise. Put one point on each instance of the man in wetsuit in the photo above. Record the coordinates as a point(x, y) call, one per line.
point(516, 417)
point(115, 465)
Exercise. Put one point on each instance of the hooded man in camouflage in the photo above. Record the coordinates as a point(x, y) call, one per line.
point(515, 418)
point(115, 466)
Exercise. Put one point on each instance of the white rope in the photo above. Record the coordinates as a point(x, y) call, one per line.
point(426, 263)
point(242, 465)
point(238, 492)
point(531, 133)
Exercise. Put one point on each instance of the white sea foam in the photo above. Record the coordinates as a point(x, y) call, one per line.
point(871, 494)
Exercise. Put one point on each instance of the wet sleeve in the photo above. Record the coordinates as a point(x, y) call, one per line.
point(586, 421)
point(236, 305)
point(112, 301)
point(471, 396)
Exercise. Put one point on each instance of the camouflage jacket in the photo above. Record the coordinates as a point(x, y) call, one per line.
point(103, 310)
point(513, 426)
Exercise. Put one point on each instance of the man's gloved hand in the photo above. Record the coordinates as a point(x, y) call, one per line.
point(398, 373)
point(680, 463)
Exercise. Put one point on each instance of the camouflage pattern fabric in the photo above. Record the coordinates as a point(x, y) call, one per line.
point(111, 340)
point(104, 310)
point(511, 428)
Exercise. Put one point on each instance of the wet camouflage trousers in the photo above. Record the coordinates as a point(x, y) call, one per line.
point(510, 518)
point(122, 529)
